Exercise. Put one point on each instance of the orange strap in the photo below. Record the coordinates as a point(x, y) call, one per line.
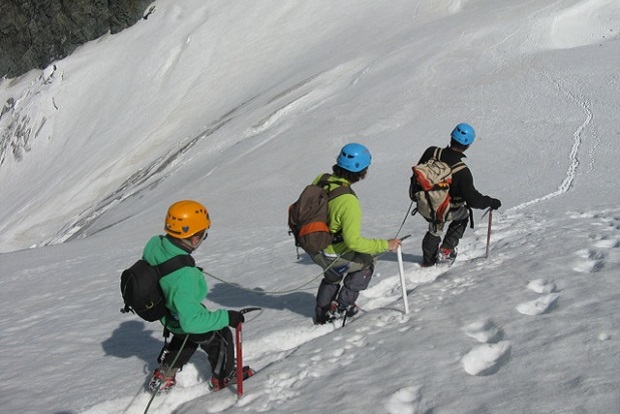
point(312, 228)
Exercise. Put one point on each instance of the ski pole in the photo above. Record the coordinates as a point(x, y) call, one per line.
point(399, 253)
point(239, 362)
point(486, 255)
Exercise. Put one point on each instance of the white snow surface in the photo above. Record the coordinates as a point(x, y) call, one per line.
point(241, 104)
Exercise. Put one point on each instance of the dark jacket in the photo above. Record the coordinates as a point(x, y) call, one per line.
point(462, 187)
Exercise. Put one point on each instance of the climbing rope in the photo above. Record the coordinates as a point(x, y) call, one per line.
point(320, 274)
point(273, 292)
point(170, 367)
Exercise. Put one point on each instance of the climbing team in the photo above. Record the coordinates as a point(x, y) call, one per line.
point(347, 258)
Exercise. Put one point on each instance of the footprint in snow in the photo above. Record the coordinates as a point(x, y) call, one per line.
point(357, 340)
point(485, 331)
point(542, 304)
point(593, 259)
point(590, 261)
point(538, 306)
point(283, 386)
point(605, 242)
point(407, 400)
point(542, 286)
point(486, 359)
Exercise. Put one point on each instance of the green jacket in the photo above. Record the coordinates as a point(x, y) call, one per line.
point(184, 290)
point(345, 217)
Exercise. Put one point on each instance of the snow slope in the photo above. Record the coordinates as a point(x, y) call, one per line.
point(239, 105)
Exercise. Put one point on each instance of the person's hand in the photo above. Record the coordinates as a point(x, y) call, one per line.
point(393, 244)
point(235, 318)
point(495, 203)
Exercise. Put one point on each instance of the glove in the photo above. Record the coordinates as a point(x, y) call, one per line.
point(235, 318)
point(495, 203)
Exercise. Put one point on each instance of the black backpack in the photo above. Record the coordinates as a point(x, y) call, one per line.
point(140, 286)
point(308, 216)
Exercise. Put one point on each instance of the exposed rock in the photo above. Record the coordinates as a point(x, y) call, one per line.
point(35, 33)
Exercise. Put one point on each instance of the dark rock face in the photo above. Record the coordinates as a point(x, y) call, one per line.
point(34, 33)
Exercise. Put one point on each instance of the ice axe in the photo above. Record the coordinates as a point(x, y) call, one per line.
point(238, 340)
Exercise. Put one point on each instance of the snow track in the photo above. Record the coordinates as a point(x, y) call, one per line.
point(574, 154)
point(275, 92)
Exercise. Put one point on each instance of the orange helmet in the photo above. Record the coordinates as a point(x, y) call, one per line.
point(186, 218)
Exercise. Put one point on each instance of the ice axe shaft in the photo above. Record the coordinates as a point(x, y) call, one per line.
point(399, 253)
point(486, 255)
point(239, 361)
point(239, 346)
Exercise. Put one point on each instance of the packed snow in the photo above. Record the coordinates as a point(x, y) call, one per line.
point(239, 105)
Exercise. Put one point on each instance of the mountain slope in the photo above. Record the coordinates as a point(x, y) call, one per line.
point(240, 106)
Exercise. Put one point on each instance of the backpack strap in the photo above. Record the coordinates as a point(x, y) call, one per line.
point(336, 192)
point(458, 167)
point(437, 153)
point(342, 189)
point(324, 180)
point(454, 168)
point(165, 268)
point(175, 263)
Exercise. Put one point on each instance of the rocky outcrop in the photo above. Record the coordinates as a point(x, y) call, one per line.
point(34, 33)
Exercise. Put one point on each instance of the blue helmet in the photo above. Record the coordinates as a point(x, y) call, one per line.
point(464, 134)
point(354, 157)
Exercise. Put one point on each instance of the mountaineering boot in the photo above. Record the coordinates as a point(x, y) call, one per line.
point(447, 256)
point(216, 384)
point(334, 312)
point(160, 384)
point(352, 310)
point(337, 311)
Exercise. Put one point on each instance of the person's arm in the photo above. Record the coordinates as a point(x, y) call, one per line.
point(469, 193)
point(180, 291)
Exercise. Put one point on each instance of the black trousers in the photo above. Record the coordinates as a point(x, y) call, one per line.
point(218, 345)
point(432, 239)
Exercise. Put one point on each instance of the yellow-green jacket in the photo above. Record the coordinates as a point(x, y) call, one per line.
point(345, 218)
